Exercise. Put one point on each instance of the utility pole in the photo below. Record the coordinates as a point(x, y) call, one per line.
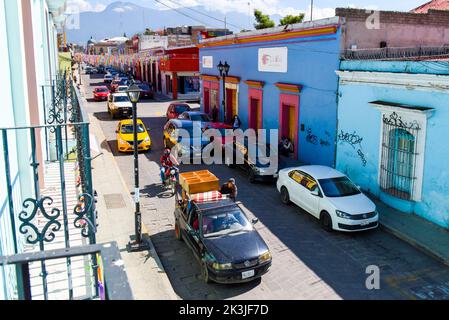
point(311, 10)
point(225, 25)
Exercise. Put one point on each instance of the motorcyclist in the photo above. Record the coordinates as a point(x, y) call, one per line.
point(167, 162)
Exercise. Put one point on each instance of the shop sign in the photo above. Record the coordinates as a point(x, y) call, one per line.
point(208, 62)
point(273, 59)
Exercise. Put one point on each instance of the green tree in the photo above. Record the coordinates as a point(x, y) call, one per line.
point(263, 21)
point(291, 19)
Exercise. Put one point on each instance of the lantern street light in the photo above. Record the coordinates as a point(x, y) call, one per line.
point(224, 71)
point(133, 93)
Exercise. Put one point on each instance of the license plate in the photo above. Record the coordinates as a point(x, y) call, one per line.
point(248, 274)
point(365, 223)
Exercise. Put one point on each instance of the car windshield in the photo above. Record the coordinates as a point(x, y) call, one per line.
point(122, 89)
point(200, 117)
point(338, 187)
point(121, 99)
point(225, 222)
point(180, 108)
point(128, 128)
point(102, 90)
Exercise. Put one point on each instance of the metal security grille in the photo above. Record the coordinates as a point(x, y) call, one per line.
point(399, 154)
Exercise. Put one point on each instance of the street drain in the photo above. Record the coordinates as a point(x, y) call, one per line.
point(114, 201)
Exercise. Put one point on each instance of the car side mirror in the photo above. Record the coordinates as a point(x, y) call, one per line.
point(255, 220)
point(316, 192)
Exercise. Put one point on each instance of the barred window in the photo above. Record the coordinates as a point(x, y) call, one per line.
point(399, 156)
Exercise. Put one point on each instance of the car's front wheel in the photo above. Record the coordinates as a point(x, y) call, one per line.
point(285, 197)
point(326, 221)
point(205, 272)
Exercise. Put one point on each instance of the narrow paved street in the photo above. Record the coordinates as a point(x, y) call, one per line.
point(308, 263)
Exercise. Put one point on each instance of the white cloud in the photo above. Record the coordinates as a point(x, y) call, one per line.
point(82, 6)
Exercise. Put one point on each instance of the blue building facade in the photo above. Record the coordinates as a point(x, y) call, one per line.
point(393, 122)
point(279, 78)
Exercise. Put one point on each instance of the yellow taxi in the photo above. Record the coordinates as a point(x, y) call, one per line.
point(125, 136)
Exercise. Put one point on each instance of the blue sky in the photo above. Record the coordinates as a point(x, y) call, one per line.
point(321, 7)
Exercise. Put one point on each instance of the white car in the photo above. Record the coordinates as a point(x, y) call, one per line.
point(119, 105)
point(107, 78)
point(121, 89)
point(329, 196)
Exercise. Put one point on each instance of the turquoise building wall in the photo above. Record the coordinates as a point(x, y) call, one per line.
point(359, 132)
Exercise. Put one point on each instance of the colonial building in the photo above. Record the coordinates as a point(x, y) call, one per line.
point(280, 78)
point(392, 123)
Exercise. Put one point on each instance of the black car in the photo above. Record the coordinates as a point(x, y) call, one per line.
point(223, 240)
point(237, 154)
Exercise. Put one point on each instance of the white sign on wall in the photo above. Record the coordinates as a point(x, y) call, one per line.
point(208, 62)
point(273, 59)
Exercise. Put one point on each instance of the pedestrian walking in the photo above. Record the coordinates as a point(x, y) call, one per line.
point(230, 188)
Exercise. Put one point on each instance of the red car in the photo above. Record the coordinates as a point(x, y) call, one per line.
point(176, 109)
point(146, 91)
point(101, 93)
point(116, 83)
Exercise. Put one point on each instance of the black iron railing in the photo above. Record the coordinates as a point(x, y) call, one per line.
point(392, 53)
point(111, 280)
point(39, 217)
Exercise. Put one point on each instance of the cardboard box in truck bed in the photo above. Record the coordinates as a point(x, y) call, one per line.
point(199, 181)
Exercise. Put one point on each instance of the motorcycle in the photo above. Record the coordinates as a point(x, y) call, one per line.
point(171, 180)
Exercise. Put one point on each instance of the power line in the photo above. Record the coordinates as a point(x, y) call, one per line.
point(184, 14)
point(207, 15)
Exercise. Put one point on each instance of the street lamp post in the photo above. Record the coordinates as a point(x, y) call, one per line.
point(134, 95)
point(224, 71)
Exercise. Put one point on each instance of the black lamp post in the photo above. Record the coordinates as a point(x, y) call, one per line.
point(134, 95)
point(224, 71)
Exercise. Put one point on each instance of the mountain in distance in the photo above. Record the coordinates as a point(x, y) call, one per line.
point(124, 17)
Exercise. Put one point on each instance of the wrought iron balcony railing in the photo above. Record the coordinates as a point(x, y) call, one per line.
point(58, 211)
point(112, 280)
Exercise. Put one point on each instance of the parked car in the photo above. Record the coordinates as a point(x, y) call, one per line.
point(146, 91)
point(221, 237)
point(107, 78)
point(116, 83)
point(125, 136)
point(204, 118)
point(90, 70)
point(249, 159)
point(174, 110)
point(191, 146)
point(329, 196)
point(119, 105)
point(121, 88)
point(101, 93)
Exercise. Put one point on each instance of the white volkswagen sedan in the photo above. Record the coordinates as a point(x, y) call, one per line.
point(329, 196)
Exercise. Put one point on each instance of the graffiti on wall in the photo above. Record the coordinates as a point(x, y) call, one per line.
point(313, 139)
point(355, 141)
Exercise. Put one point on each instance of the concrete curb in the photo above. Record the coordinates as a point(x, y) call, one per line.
point(426, 250)
point(146, 236)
